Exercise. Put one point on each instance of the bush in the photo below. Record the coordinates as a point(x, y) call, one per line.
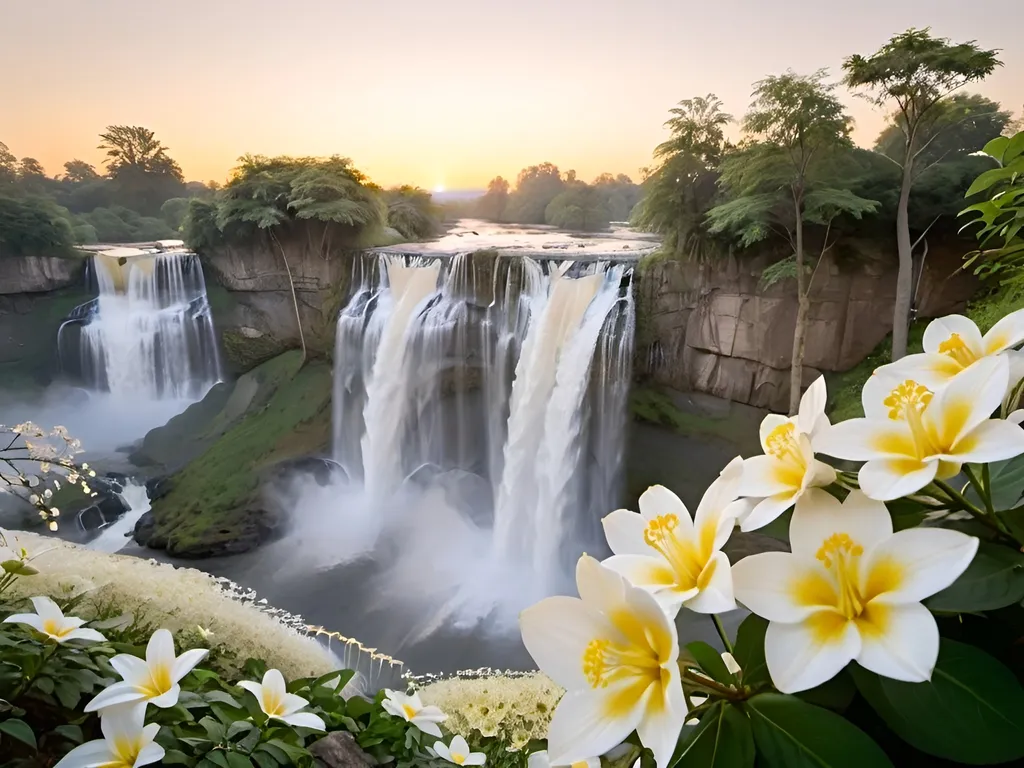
point(33, 226)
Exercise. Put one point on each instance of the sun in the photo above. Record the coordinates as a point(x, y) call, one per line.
point(439, 189)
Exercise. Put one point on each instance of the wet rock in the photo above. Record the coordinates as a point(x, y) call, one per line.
point(339, 750)
point(158, 487)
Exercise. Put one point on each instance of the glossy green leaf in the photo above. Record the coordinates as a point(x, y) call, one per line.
point(217, 758)
point(177, 757)
point(20, 730)
point(710, 661)
point(1006, 483)
point(722, 739)
point(264, 760)
point(996, 147)
point(790, 733)
point(994, 579)
point(1014, 148)
point(836, 694)
point(236, 760)
point(972, 710)
point(988, 179)
point(72, 733)
point(748, 650)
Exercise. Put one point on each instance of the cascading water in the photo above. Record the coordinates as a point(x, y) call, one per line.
point(503, 404)
point(149, 334)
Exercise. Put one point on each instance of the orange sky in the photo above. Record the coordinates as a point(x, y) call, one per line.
point(443, 93)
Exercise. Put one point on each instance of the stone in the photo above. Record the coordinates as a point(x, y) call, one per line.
point(339, 750)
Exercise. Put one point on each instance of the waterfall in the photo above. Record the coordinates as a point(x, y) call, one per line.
point(149, 334)
point(506, 399)
point(115, 536)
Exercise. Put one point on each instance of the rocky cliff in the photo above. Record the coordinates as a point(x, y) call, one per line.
point(712, 328)
point(35, 295)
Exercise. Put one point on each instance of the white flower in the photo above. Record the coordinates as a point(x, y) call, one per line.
point(278, 704)
point(788, 467)
point(50, 620)
point(850, 591)
point(204, 633)
point(458, 752)
point(615, 652)
point(952, 344)
point(677, 559)
point(731, 664)
point(125, 743)
point(411, 709)
point(540, 760)
point(153, 680)
point(914, 436)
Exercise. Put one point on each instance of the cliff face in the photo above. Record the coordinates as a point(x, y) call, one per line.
point(35, 295)
point(711, 328)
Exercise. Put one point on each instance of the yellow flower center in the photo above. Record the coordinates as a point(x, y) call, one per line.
point(159, 681)
point(53, 628)
point(458, 758)
point(684, 559)
point(580, 764)
point(126, 751)
point(841, 556)
point(782, 443)
point(956, 348)
point(272, 703)
point(908, 402)
point(605, 661)
point(409, 711)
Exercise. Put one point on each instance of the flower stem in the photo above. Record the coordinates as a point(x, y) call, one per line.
point(992, 522)
point(981, 488)
point(721, 632)
point(707, 683)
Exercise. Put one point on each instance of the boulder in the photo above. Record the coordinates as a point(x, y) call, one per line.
point(339, 750)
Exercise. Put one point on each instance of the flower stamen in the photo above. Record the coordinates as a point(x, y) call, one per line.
point(956, 348)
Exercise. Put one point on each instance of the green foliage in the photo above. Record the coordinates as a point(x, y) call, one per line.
point(536, 187)
point(493, 204)
point(722, 739)
point(580, 207)
point(412, 212)
point(173, 212)
point(33, 226)
point(123, 225)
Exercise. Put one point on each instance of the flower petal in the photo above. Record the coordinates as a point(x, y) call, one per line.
point(712, 522)
point(476, 758)
point(780, 586)
point(458, 745)
point(899, 641)
point(887, 479)
point(83, 634)
point(556, 631)
point(273, 684)
point(151, 753)
point(805, 655)
point(304, 720)
point(252, 687)
point(600, 588)
point(1008, 332)
point(293, 703)
point(717, 594)
point(92, 753)
point(160, 650)
point(992, 440)
point(624, 531)
point(967, 401)
point(930, 369)
point(767, 476)
point(586, 723)
point(47, 609)
point(33, 620)
point(819, 515)
point(427, 726)
point(658, 501)
point(538, 760)
point(113, 695)
point(768, 424)
point(811, 415)
point(663, 720)
point(916, 563)
point(131, 668)
point(767, 510)
point(168, 698)
point(865, 439)
point(942, 329)
point(644, 571)
point(187, 662)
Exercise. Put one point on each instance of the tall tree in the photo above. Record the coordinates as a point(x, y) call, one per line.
point(8, 167)
point(79, 171)
point(144, 174)
point(536, 187)
point(919, 72)
point(493, 204)
point(679, 192)
point(32, 176)
point(785, 179)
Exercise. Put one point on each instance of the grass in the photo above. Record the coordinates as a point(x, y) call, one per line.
point(654, 406)
point(213, 504)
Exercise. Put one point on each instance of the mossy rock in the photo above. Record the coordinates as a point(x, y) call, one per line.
point(214, 504)
point(28, 336)
point(244, 352)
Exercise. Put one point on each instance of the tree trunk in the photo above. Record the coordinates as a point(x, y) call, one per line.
point(803, 303)
point(905, 278)
point(295, 298)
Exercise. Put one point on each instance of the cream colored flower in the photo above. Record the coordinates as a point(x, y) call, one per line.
point(540, 760)
point(278, 704)
point(50, 620)
point(953, 343)
point(458, 752)
point(788, 467)
point(913, 436)
point(153, 680)
point(126, 743)
point(412, 710)
point(851, 590)
point(677, 559)
point(615, 652)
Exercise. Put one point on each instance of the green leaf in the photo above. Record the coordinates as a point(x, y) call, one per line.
point(790, 733)
point(994, 579)
point(748, 651)
point(710, 661)
point(1006, 483)
point(972, 710)
point(238, 727)
point(996, 147)
point(837, 694)
point(177, 757)
point(1013, 149)
point(19, 730)
point(988, 179)
point(236, 760)
point(217, 758)
point(722, 740)
point(44, 685)
point(68, 695)
point(214, 730)
point(264, 760)
point(72, 733)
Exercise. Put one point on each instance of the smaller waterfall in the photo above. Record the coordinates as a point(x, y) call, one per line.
point(149, 333)
point(115, 536)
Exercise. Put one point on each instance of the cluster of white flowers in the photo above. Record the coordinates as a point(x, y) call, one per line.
point(850, 589)
point(181, 599)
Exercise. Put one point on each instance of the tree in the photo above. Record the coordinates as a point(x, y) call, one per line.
point(144, 174)
point(536, 187)
point(412, 212)
point(79, 172)
point(620, 195)
point(173, 212)
point(31, 176)
point(777, 183)
point(678, 194)
point(33, 226)
point(918, 72)
point(492, 205)
point(580, 207)
point(8, 167)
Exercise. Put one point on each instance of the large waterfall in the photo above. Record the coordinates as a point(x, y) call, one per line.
point(492, 394)
point(148, 334)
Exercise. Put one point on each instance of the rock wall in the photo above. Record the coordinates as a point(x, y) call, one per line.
point(254, 313)
point(35, 295)
point(712, 328)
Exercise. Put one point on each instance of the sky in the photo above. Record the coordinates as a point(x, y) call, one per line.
point(438, 93)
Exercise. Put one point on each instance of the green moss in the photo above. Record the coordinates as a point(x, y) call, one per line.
point(654, 406)
point(990, 306)
point(28, 336)
point(213, 505)
point(243, 353)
